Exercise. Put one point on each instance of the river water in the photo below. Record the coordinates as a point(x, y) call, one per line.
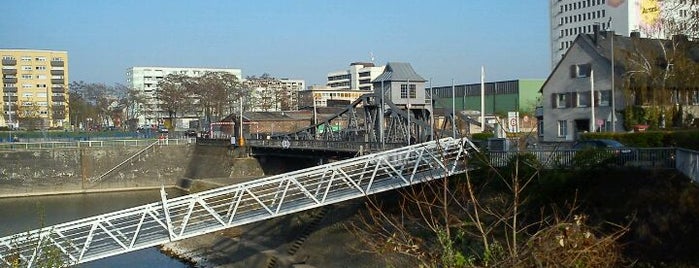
point(26, 213)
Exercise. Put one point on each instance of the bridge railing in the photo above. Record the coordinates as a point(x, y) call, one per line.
point(83, 144)
point(348, 146)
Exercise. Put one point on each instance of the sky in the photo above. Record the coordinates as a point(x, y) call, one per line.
point(296, 39)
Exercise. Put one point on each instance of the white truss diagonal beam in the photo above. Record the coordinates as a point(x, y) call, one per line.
point(209, 211)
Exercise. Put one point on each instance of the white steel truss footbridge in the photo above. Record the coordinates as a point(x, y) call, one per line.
point(186, 216)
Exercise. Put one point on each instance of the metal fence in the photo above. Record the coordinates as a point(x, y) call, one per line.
point(566, 158)
point(84, 144)
point(687, 162)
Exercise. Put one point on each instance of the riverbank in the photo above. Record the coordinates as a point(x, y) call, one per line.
point(315, 238)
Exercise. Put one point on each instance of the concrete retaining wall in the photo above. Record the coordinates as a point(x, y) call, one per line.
point(57, 171)
point(78, 170)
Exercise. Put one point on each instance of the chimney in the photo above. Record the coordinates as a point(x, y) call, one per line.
point(595, 32)
point(635, 34)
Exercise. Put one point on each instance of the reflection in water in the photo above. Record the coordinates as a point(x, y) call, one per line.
point(27, 213)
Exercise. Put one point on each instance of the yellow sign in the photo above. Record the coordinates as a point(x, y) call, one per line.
point(650, 12)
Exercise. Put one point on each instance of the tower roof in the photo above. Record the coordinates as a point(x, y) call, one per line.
point(399, 71)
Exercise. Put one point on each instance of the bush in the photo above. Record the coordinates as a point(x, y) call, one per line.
point(685, 138)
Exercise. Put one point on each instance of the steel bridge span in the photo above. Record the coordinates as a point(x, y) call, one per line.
point(178, 218)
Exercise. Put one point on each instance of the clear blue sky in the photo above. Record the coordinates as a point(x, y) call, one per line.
point(302, 39)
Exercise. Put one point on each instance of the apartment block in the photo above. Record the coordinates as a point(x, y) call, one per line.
point(35, 88)
point(357, 77)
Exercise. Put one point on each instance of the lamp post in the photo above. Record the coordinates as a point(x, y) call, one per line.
point(613, 86)
point(315, 117)
point(432, 111)
point(241, 140)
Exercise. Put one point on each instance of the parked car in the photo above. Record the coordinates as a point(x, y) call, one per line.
point(619, 150)
point(190, 132)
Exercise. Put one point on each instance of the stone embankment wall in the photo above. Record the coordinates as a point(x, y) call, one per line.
point(79, 170)
point(75, 170)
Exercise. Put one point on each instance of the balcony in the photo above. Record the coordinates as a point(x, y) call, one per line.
point(8, 62)
point(58, 98)
point(9, 98)
point(57, 63)
point(57, 80)
point(9, 71)
point(9, 80)
point(57, 72)
point(55, 89)
point(9, 89)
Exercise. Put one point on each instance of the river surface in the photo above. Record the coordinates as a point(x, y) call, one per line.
point(26, 213)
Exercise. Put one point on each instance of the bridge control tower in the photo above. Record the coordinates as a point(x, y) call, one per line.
point(400, 85)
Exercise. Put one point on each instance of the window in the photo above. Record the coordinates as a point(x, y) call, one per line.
point(26, 68)
point(27, 94)
point(40, 59)
point(580, 70)
point(6, 57)
point(26, 76)
point(562, 128)
point(41, 76)
point(41, 67)
point(42, 103)
point(695, 97)
point(41, 85)
point(56, 59)
point(583, 99)
point(404, 91)
point(41, 95)
point(26, 58)
point(26, 103)
point(560, 101)
point(605, 98)
point(26, 86)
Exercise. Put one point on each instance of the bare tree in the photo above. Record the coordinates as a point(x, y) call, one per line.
point(214, 91)
point(132, 105)
point(660, 77)
point(174, 95)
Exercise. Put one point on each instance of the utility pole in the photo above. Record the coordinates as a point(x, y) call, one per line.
point(592, 101)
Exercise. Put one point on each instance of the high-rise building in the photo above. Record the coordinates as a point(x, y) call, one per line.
point(145, 80)
point(35, 88)
point(357, 77)
point(651, 18)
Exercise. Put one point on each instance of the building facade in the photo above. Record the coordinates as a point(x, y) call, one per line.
point(324, 96)
point(584, 94)
point(274, 94)
point(569, 18)
point(35, 88)
point(501, 97)
point(359, 76)
point(145, 81)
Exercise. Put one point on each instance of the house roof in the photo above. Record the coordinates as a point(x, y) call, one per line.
point(399, 71)
point(627, 46)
